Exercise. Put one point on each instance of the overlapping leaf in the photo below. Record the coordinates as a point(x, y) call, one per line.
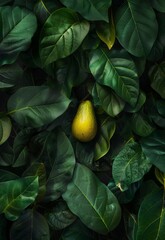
point(151, 217)
point(61, 35)
point(31, 225)
point(116, 70)
point(129, 166)
point(85, 196)
point(16, 195)
point(90, 9)
point(133, 27)
point(18, 27)
point(37, 105)
point(5, 129)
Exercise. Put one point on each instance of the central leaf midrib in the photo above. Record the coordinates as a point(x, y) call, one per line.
point(113, 67)
point(95, 210)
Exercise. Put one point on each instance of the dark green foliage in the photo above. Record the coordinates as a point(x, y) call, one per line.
point(53, 55)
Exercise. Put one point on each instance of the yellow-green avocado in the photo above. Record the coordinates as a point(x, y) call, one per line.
point(84, 125)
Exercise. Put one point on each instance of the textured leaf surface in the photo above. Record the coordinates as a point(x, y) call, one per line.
point(85, 197)
point(133, 27)
point(110, 102)
point(90, 9)
point(102, 145)
point(61, 35)
point(18, 27)
point(5, 129)
point(60, 162)
point(129, 166)
point(116, 70)
point(16, 195)
point(37, 105)
point(31, 225)
point(60, 216)
point(153, 147)
point(151, 217)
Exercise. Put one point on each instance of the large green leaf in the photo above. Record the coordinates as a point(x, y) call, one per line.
point(129, 166)
point(133, 27)
point(37, 105)
point(16, 195)
point(92, 201)
point(62, 34)
point(157, 76)
point(60, 216)
point(90, 9)
point(30, 226)
point(153, 147)
point(17, 29)
point(116, 70)
point(60, 162)
point(159, 5)
point(151, 217)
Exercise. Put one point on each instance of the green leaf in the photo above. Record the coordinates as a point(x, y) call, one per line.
point(37, 170)
point(139, 104)
point(90, 9)
point(17, 29)
point(62, 34)
point(153, 147)
point(130, 223)
point(129, 166)
point(109, 101)
point(133, 27)
point(34, 106)
point(30, 226)
point(20, 149)
point(5, 129)
point(141, 125)
point(59, 162)
point(16, 195)
point(10, 75)
point(6, 155)
point(157, 78)
point(151, 217)
point(77, 231)
point(60, 216)
point(116, 70)
point(85, 196)
point(106, 32)
point(107, 130)
point(159, 5)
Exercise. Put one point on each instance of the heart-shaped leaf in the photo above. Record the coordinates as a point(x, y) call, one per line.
point(5, 129)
